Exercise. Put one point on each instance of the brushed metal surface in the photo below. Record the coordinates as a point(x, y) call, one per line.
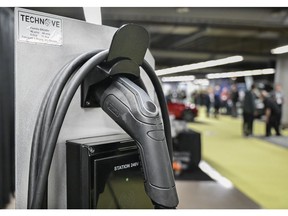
point(35, 67)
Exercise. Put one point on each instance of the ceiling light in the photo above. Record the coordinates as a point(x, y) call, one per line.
point(268, 71)
point(200, 65)
point(203, 82)
point(280, 50)
point(241, 73)
point(178, 78)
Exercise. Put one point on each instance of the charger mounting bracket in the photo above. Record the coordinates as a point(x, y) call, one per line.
point(126, 54)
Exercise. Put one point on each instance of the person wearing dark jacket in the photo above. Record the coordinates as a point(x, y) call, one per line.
point(272, 114)
point(249, 110)
point(234, 98)
point(207, 103)
point(217, 101)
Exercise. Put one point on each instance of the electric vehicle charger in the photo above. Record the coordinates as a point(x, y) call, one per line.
point(121, 98)
point(133, 110)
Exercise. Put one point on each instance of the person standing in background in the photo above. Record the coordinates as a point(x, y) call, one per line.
point(278, 95)
point(224, 97)
point(207, 103)
point(249, 110)
point(217, 101)
point(234, 99)
point(272, 114)
point(279, 98)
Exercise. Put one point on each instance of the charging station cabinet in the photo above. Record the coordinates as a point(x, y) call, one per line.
point(96, 168)
point(36, 64)
point(104, 172)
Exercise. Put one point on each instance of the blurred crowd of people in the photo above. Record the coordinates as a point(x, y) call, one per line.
point(252, 103)
point(217, 100)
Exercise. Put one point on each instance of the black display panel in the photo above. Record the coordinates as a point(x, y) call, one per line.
point(120, 184)
point(105, 173)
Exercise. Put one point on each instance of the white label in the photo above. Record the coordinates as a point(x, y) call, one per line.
point(39, 29)
point(126, 166)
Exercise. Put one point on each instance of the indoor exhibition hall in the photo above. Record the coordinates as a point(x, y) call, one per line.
point(144, 108)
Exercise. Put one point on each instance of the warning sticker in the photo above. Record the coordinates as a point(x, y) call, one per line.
point(39, 29)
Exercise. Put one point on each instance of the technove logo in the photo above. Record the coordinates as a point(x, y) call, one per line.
point(38, 20)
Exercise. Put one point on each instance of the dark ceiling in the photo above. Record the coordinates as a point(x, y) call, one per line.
point(181, 36)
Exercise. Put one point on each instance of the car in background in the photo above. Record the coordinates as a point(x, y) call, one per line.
point(181, 110)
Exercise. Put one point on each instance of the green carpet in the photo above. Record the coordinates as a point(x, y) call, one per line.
point(257, 168)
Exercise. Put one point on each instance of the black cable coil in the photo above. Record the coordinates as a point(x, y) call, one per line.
point(52, 113)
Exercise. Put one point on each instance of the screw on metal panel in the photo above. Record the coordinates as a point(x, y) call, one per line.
point(91, 150)
point(87, 103)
